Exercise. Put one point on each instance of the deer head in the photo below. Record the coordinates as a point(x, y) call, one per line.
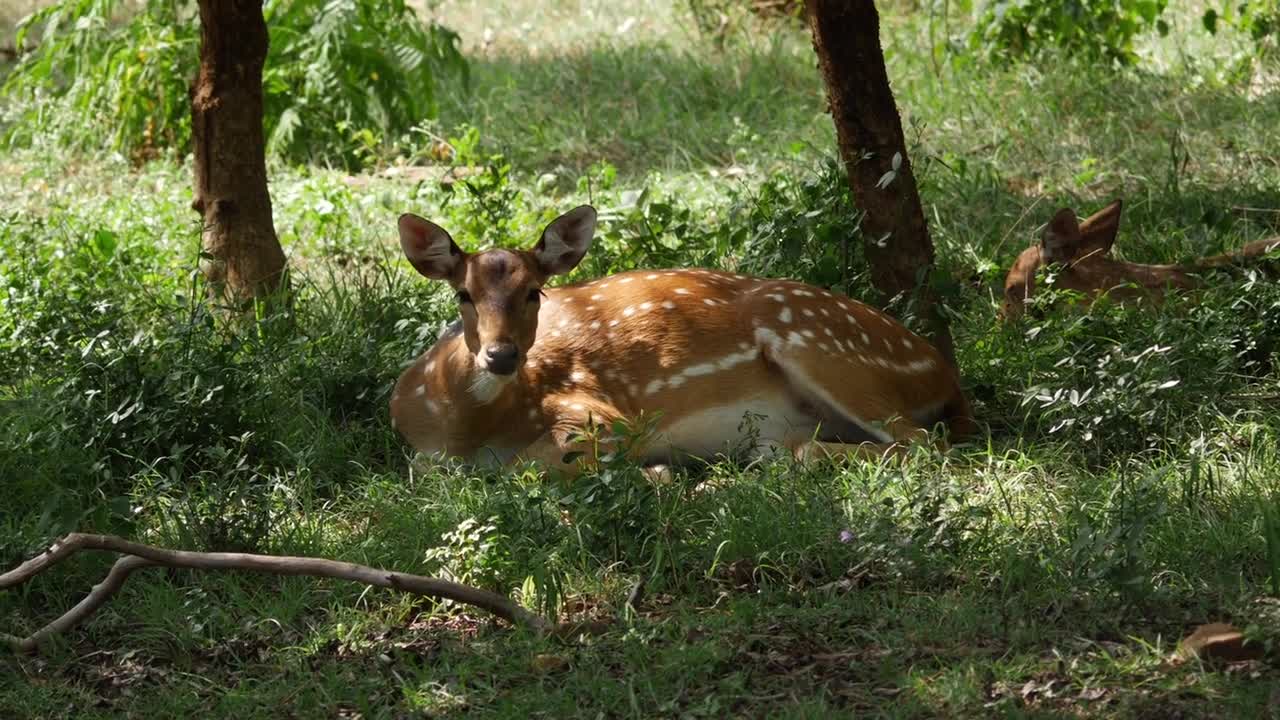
point(498, 291)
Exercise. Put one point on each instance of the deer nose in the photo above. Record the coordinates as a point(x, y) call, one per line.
point(501, 358)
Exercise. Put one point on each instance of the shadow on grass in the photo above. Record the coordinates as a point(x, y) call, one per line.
point(644, 107)
point(874, 650)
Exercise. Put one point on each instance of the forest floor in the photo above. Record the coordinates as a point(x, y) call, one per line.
point(1126, 490)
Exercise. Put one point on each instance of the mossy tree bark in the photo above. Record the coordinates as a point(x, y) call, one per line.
point(846, 38)
point(242, 258)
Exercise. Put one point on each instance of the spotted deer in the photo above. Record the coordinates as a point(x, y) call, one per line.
point(1081, 250)
point(529, 366)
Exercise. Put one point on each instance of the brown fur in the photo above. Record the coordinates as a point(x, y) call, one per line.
point(1082, 252)
point(691, 345)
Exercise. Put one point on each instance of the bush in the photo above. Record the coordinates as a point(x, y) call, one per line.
point(1121, 379)
point(344, 78)
point(1094, 29)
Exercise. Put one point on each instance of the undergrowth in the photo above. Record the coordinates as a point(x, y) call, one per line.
point(1125, 491)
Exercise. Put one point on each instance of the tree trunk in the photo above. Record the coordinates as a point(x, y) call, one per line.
point(846, 37)
point(242, 259)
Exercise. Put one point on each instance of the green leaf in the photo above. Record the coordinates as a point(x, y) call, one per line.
point(1210, 21)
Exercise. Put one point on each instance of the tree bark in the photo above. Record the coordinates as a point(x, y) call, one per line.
point(846, 38)
point(242, 258)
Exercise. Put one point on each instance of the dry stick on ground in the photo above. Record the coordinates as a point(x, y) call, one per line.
point(138, 555)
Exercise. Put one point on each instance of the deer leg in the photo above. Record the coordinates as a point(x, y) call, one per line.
point(904, 434)
point(568, 445)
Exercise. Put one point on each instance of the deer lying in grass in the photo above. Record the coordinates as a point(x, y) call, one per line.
point(1081, 250)
point(528, 367)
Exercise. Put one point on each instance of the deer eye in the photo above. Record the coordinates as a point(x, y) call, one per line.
point(464, 296)
point(535, 295)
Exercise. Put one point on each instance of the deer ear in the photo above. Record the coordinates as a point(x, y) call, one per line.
point(429, 248)
point(1060, 241)
point(1098, 231)
point(566, 240)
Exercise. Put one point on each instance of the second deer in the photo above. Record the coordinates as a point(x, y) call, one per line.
point(1081, 250)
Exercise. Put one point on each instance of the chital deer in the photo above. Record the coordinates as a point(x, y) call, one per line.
point(529, 366)
point(1082, 252)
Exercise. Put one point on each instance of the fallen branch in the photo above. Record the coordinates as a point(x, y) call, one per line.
point(138, 555)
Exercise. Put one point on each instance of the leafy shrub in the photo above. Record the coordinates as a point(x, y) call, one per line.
point(343, 77)
point(1259, 19)
point(353, 74)
point(1123, 378)
point(474, 553)
point(1093, 29)
point(109, 377)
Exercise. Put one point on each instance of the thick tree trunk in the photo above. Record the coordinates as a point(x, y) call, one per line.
point(242, 256)
point(846, 37)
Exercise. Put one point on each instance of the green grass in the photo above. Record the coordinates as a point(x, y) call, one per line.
point(1047, 569)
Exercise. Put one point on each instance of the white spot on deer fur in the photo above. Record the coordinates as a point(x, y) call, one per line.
point(849, 317)
point(708, 301)
point(801, 293)
point(794, 338)
point(676, 381)
point(577, 376)
point(906, 343)
point(566, 300)
point(626, 280)
point(564, 403)
point(765, 336)
point(393, 423)
point(555, 333)
point(613, 323)
point(576, 406)
point(703, 369)
point(887, 344)
point(667, 304)
point(420, 391)
point(823, 346)
point(922, 365)
point(866, 339)
point(597, 296)
point(430, 366)
point(747, 355)
point(827, 332)
point(591, 307)
point(744, 346)
point(785, 315)
point(646, 306)
point(651, 276)
point(807, 312)
point(776, 296)
point(432, 407)
point(534, 414)
point(653, 387)
point(824, 312)
point(563, 322)
point(840, 345)
point(604, 285)
point(681, 291)
point(807, 333)
point(595, 325)
point(628, 311)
